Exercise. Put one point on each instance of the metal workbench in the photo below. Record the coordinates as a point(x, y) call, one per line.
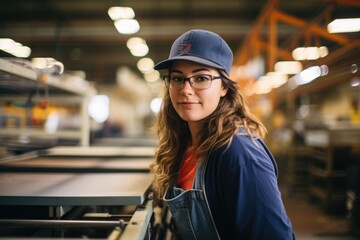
point(68, 191)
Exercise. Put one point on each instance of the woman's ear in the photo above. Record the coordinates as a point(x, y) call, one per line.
point(223, 91)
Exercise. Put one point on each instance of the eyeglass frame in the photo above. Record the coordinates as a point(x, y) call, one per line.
point(184, 79)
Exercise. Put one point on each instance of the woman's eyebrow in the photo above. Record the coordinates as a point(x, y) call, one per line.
point(175, 71)
point(200, 70)
point(194, 71)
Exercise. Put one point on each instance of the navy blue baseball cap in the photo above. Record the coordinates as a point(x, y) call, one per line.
point(202, 47)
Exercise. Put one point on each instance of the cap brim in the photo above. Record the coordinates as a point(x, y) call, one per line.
point(166, 64)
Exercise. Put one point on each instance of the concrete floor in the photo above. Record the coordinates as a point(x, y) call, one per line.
point(311, 222)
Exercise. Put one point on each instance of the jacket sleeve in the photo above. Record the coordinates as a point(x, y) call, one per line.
point(252, 202)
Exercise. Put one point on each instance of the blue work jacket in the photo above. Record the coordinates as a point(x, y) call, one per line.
point(242, 191)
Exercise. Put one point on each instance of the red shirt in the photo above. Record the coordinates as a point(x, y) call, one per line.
point(187, 170)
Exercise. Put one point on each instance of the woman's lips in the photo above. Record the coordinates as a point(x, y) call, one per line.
point(188, 104)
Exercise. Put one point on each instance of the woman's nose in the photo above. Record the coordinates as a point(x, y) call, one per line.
point(186, 87)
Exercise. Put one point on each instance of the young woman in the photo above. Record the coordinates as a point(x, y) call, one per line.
point(212, 169)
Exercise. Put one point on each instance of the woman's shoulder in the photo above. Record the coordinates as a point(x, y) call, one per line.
point(242, 149)
point(243, 142)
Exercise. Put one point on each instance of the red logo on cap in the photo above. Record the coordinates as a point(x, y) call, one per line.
point(184, 48)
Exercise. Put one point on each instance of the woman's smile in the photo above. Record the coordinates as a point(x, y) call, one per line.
point(188, 104)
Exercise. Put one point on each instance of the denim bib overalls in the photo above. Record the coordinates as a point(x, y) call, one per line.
point(191, 211)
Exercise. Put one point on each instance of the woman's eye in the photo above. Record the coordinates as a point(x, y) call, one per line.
point(176, 79)
point(202, 78)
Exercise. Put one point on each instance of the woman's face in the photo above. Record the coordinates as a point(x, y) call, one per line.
point(191, 104)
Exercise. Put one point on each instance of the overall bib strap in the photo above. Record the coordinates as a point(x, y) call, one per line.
point(190, 210)
point(199, 183)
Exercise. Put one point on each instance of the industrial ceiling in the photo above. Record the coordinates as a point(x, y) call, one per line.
point(82, 36)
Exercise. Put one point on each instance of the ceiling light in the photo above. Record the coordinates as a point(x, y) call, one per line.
point(312, 53)
point(140, 51)
point(344, 25)
point(127, 26)
point(263, 85)
point(309, 53)
point(354, 68)
point(308, 75)
point(155, 105)
point(19, 51)
point(14, 48)
point(323, 51)
point(355, 82)
point(137, 46)
point(152, 76)
point(49, 65)
point(288, 67)
point(277, 79)
point(116, 13)
point(98, 108)
point(145, 65)
point(6, 43)
point(41, 63)
point(134, 41)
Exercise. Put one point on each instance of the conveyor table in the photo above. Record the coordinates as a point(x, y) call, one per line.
point(78, 164)
point(73, 189)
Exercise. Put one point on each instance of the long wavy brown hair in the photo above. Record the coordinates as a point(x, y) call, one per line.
point(218, 130)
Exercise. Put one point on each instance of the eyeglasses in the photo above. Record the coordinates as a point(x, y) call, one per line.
point(199, 82)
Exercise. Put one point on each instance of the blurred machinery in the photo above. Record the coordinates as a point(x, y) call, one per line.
point(52, 183)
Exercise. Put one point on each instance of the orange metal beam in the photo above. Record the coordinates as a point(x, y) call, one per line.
point(281, 53)
point(244, 53)
point(272, 46)
point(312, 28)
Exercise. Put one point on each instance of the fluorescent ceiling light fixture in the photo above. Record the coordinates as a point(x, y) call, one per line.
point(277, 79)
point(288, 67)
point(98, 108)
point(312, 53)
point(309, 53)
point(354, 68)
point(134, 41)
point(127, 26)
point(299, 53)
point(116, 13)
point(14, 48)
point(48, 63)
point(145, 65)
point(310, 74)
point(155, 105)
point(140, 50)
point(323, 51)
point(42, 63)
point(263, 85)
point(6, 43)
point(152, 76)
point(19, 51)
point(137, 46)
point(342, 25)
point(355, 82)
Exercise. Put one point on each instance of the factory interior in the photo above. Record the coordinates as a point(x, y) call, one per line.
point(79, 99)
